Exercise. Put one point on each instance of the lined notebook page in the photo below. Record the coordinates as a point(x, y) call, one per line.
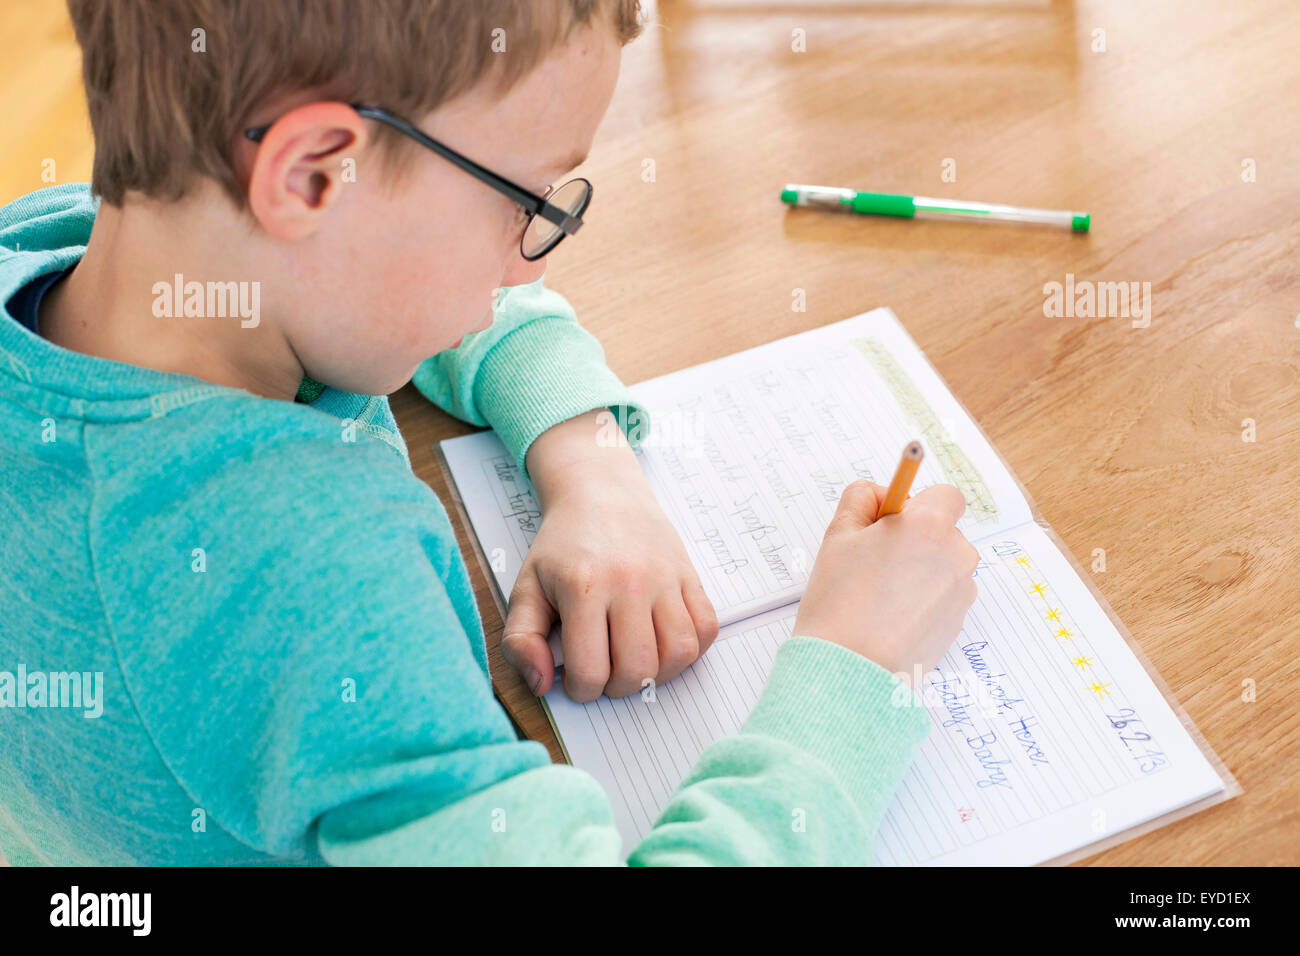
point(748, 456)
point(1047, 733)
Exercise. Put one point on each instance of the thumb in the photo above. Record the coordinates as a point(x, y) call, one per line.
point(859, 503)
point(523, 642)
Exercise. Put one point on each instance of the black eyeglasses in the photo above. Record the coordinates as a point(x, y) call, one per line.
point(551, 216)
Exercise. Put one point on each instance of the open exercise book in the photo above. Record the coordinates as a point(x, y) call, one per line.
point(1048, 733)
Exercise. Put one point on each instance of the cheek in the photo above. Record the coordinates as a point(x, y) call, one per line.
point(442, 250)
point(457, 242)
point(434, 291)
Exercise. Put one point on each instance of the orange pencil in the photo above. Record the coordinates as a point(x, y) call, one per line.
point(902, 483)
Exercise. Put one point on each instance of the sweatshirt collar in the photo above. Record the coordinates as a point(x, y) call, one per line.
point(46, 232)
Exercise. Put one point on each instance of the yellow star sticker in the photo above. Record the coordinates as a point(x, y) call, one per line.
point(1065, 633)
point(1054, 614)
point(1081, 662)
point(1038, 588)
point(1023, 559)
point(1100, 689)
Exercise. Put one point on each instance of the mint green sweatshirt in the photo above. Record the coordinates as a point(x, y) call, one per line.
point(289, 660)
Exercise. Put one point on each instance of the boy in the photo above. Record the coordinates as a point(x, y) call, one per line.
point(291, 660)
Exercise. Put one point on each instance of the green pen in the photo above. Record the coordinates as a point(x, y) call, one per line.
point(927, 207)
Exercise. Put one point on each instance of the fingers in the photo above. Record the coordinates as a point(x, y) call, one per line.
point(523, 642)
point(945, 499)
point(584, 634)
point(935, 512)
point(700, 608)
point(662, 646)
point(617, 633)
point(675, 636)
point(633, 651)
point(859, 503)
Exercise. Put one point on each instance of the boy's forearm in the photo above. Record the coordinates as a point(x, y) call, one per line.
point(805, 782)
point(807, 779)
point(588, 447)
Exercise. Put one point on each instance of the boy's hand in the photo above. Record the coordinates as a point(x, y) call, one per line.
point(895, 589)
point(610, 565)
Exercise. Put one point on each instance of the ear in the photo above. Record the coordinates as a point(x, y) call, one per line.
point(297, 172)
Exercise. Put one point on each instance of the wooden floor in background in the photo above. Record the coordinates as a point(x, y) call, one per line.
point(1172, 121)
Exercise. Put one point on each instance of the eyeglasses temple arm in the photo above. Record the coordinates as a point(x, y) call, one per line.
point(535, 204)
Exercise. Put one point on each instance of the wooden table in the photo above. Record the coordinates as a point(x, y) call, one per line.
point(1129, 439)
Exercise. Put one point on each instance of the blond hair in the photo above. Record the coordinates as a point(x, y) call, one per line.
point(171, 84)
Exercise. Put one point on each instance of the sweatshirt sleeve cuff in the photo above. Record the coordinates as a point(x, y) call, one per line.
point(545, 372)
point(848, 711)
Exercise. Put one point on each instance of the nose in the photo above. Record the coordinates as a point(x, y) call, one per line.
point(520, 271)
